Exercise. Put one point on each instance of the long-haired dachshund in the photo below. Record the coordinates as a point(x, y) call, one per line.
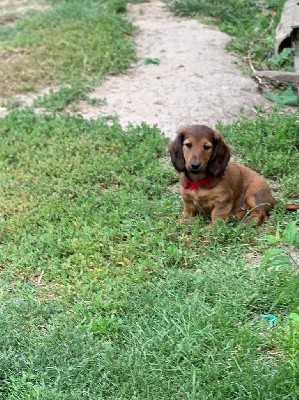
point(210, 183)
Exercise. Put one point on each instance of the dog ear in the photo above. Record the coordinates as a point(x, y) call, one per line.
point(220, 157)
point(176, 152)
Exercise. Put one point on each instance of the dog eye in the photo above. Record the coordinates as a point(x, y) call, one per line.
point(188, 145)
point(207, 146)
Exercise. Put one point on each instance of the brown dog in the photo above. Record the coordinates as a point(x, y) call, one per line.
point(212, 184)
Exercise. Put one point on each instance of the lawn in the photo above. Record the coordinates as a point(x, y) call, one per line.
point(74, 43)
point(105, 292)
point(107, 295)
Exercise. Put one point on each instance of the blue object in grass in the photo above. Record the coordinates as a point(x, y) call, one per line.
point(271, 318)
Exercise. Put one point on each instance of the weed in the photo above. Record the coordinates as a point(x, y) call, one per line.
point(58, 100)
point(96, 102)
point(278, 61)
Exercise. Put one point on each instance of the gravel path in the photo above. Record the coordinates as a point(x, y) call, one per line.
point(197, 80)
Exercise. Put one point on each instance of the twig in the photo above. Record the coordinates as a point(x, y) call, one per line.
point(40, 278)
point(260, 80)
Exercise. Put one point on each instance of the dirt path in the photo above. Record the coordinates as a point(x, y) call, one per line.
point(197, 80)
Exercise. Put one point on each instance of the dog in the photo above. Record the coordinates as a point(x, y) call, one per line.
point(212, 184)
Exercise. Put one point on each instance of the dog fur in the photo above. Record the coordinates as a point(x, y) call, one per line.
point(226, 189)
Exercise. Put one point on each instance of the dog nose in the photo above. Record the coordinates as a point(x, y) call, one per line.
point(194, 167)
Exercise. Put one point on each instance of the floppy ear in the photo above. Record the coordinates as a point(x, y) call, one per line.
point(220, 157)
point(176, 152)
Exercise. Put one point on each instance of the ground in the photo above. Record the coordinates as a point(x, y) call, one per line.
point(197, 80)
point(10, 9)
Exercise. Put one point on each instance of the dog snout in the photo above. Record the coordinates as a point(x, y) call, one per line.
point(195, 166)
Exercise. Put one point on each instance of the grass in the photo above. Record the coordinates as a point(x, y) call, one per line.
point(276, 140)
point(107, 295)
point(59, 100)
point(252, 25)
point(74, 43)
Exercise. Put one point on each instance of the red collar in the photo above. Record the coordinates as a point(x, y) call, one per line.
point(206, 182)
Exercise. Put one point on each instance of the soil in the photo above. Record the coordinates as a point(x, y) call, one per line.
point(10, 9)
point(197, 80)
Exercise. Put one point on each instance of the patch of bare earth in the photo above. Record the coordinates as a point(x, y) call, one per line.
point(11, 9)
point(197, 80)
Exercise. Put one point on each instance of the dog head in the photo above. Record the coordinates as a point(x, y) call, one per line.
point(198, 149)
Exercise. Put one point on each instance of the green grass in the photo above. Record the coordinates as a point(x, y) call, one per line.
point(251, 24)
point(74, 43)
point(58, 100)
point(270, 145)
point(107, 295)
